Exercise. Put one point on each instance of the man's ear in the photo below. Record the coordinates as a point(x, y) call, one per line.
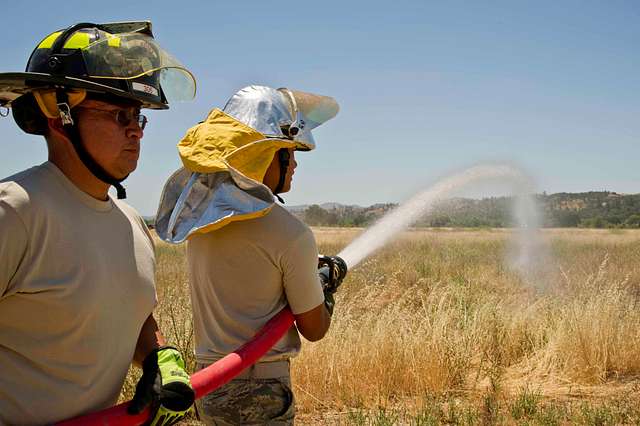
point(56, 127)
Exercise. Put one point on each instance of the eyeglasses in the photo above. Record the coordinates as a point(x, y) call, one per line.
point(124, 117)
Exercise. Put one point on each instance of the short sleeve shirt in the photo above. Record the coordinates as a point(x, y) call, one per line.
point(76, 285)
point(243, 274)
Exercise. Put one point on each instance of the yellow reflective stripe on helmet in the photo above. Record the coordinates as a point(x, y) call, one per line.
point(78, 40)
point(114, 41)
point(48, 42)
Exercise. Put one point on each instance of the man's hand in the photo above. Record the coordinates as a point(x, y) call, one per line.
point(165, 386)
point(332, 270)
point(329, 301)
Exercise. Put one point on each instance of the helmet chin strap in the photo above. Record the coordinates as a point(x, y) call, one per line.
point(73, 134)
point(283, 158)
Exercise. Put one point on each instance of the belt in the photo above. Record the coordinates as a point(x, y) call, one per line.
point(263, 370)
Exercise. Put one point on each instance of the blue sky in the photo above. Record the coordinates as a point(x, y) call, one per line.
point(424, 87)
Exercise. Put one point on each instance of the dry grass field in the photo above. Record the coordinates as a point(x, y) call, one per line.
point(434, 328)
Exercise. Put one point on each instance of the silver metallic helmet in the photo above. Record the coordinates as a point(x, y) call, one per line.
point(282, 113)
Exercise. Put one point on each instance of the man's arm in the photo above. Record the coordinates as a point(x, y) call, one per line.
point(13, 245)
point(303, 288)
point(314, 324)
point(150, 338)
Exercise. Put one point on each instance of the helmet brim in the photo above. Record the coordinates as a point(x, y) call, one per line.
point(15, 84)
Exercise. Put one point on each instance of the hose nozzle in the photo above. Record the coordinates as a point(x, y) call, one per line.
point(332, 270)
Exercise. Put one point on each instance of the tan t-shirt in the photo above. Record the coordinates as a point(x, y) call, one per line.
point(243, 274)
point(76, 285)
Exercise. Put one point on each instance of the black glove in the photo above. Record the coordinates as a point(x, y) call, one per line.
point(165, 386)
point(329, 302)
point(332, 270)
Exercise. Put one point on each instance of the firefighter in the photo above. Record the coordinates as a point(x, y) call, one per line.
point(248, 256)
point(77, 286)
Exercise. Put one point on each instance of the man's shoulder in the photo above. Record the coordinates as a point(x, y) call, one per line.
point(286, 222)
point(277, 229)
point(25, 176)
point(127, 209)
point(17, 190)
point(133, 215)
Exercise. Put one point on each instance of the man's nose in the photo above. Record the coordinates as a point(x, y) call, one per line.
point(134, 130)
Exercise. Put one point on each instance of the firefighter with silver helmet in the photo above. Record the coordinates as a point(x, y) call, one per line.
point(248, 256)
point(77, 286)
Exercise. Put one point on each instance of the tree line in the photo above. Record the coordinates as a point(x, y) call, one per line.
point(595, 209)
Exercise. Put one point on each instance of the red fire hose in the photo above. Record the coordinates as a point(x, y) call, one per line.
point(206, 380)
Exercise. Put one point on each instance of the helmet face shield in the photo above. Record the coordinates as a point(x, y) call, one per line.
point(137, 56)
point(314, 109)
point(309, 111)
point(178, 84)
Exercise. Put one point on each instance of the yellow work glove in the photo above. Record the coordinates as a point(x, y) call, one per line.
point(165, 386)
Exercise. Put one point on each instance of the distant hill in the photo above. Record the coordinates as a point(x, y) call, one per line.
point(325, 206)
point(596, 209)
point(340, 215)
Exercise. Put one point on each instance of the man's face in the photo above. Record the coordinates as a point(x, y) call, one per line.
point(272, 176)
point(290, 171)
point(115, 146)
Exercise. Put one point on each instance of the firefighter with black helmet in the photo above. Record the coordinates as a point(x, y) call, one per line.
point(77, 286)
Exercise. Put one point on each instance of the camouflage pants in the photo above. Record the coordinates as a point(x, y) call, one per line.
point(249, 401)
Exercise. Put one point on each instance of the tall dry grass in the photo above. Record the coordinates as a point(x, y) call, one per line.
point(438, 312)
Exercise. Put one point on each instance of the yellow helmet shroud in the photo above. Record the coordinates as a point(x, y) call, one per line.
point(221, 142)
point(226, 156)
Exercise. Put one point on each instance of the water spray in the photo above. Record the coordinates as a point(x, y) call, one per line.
point(422, 203)
point(332, 270)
